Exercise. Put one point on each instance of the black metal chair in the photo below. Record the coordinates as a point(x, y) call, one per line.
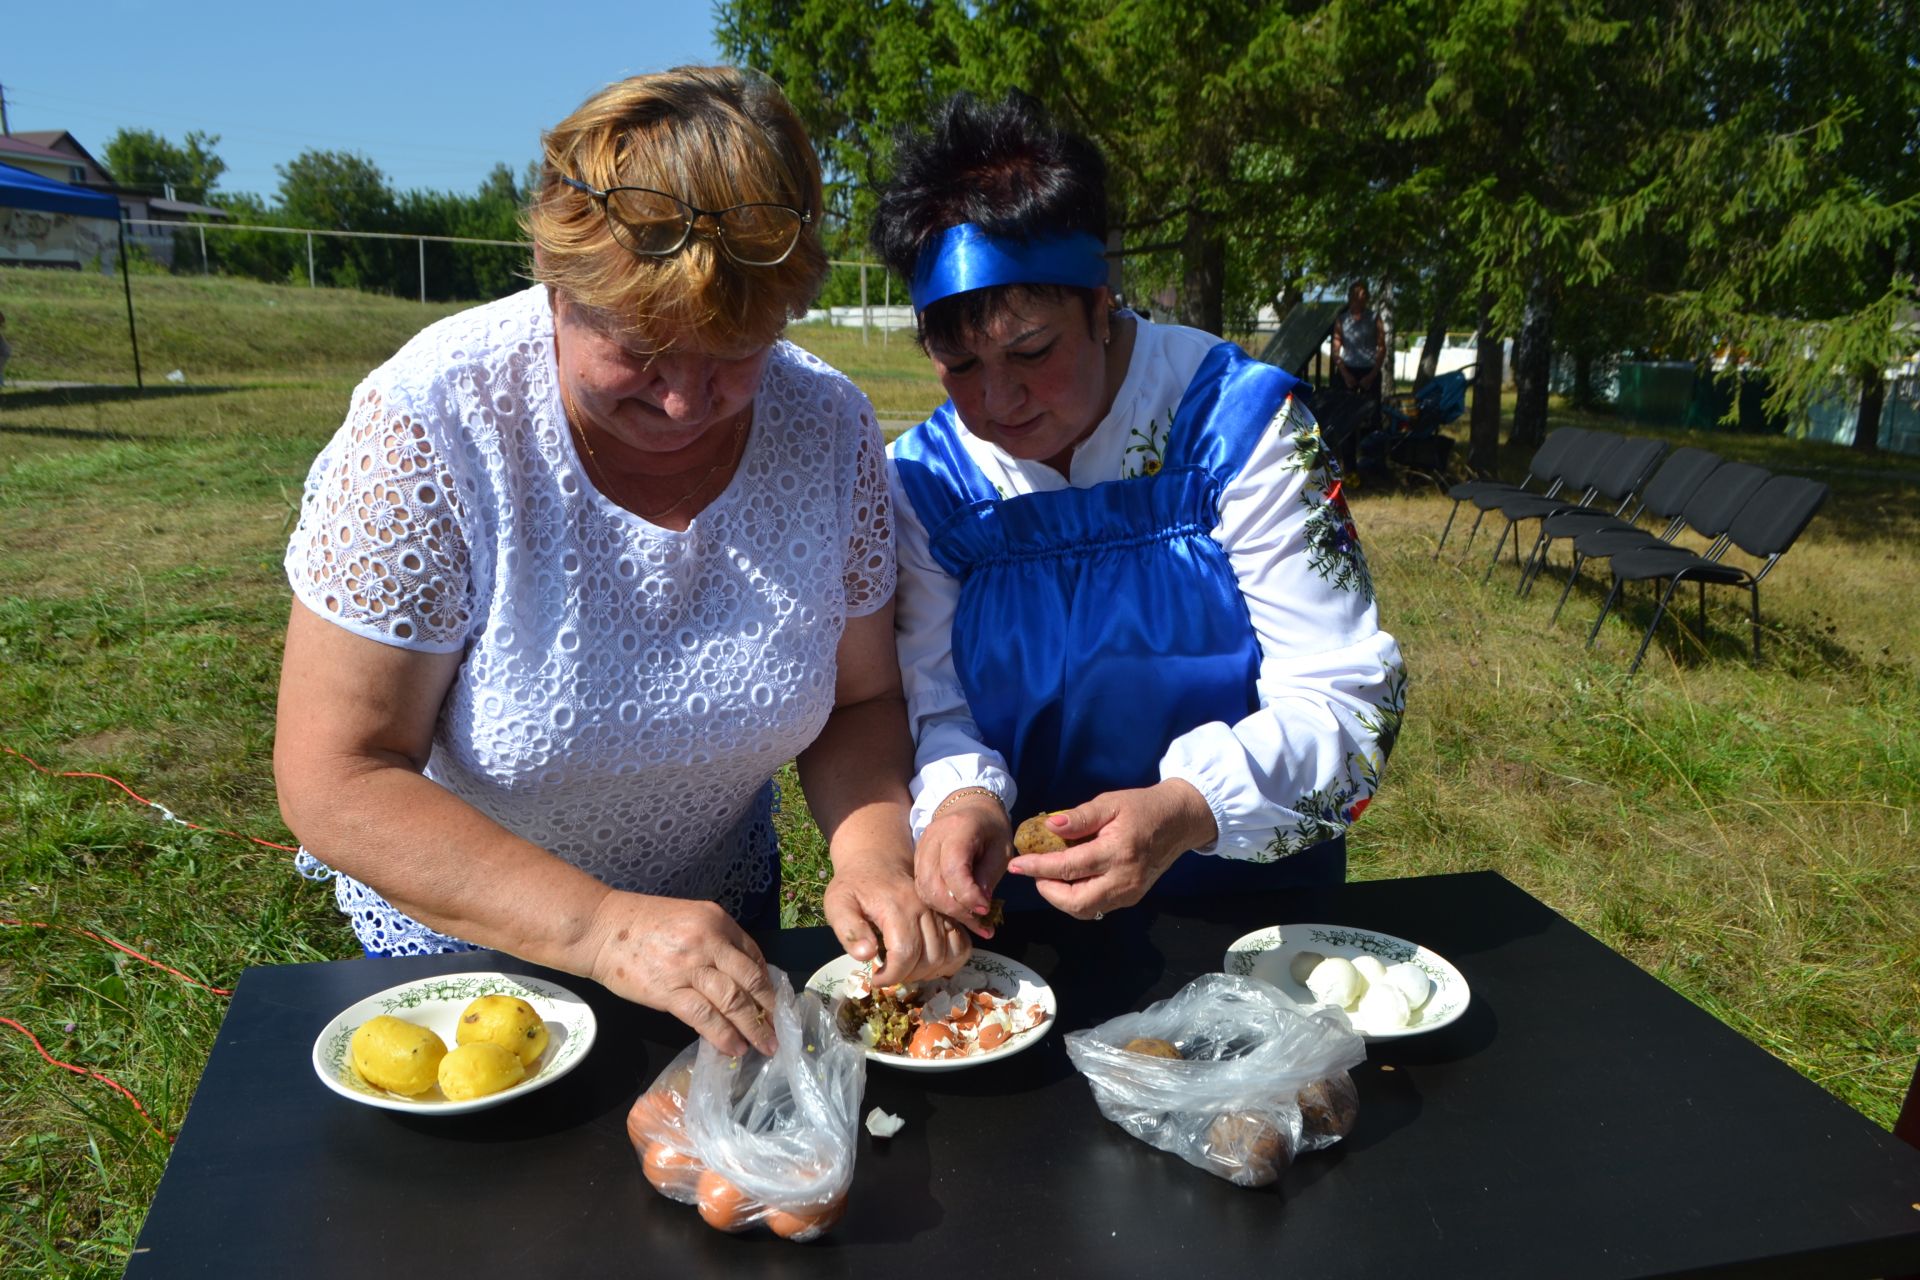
point(1766, 528)
point(1664, 497)
point(1612, 480)
point(1708, 513)
point(1542, 470)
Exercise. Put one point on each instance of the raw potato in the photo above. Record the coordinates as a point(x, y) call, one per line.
point(1247, 1148)
point(507, 1021)
point(1035, 836)
point(396, 1055)
point(477, 1069)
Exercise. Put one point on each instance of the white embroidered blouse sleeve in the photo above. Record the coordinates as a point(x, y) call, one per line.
point(1331, 685)
point(870, 567)
point(948, 753)
point(380, 548)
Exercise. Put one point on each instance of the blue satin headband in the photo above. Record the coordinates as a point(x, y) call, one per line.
point(965, 258)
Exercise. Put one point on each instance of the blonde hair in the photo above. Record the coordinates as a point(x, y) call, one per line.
point(714, 137)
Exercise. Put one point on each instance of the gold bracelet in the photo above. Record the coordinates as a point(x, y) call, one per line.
point(955, 795)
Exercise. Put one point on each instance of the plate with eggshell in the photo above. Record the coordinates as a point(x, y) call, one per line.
point(990, 998)
point(1389, 987)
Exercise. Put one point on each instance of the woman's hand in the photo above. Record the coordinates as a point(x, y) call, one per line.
point(1135, 836)
point(961, 857)
point(687, 958)
point(876, 912)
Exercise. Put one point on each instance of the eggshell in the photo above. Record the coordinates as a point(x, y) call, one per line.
point(1336, 981)
point(1412, 982)
point(931, 1041)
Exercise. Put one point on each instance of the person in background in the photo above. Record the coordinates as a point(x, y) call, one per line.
point(1130, 591)
point(1359, 345)
point(586, 565)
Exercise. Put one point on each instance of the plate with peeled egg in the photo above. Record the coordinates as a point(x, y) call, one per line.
point(1389, 987)
point(993, 1008)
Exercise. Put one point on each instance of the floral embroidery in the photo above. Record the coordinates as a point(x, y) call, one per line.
point(1327, 812)
point(1143, 453)
point(1333, 543)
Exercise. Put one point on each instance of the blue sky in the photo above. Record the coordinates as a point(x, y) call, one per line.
point(434, 93)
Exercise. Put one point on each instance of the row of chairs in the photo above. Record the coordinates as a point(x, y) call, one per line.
point(1592, 490)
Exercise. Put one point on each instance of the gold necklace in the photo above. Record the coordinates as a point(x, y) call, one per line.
point(728, 459)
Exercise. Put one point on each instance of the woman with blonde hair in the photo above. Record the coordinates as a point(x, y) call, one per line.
point(585, 565)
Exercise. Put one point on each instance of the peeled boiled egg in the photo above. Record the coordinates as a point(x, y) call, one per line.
point(1303, 964)
point(1382, 1008)
point(1411, 981)
point(1335, 981)
point(1371, 968)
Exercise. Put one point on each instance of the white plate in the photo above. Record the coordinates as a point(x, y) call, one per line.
point(436, 1004)
point(998, 974)
point(1268, 953)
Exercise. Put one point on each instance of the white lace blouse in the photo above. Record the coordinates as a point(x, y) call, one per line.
point(626, 691)
point(1331, 685)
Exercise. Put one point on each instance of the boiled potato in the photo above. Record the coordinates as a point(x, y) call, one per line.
point(390, 1053)
point(477, 1069)
point(507, 1021)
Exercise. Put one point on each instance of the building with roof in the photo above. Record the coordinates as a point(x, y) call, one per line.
point(57, 154)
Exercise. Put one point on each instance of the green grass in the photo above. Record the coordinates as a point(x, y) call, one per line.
point(1744, 833)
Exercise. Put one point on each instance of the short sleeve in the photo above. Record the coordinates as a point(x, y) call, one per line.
point(380, 548)
point(870, 553)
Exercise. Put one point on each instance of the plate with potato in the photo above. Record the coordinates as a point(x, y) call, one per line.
point(447, 1046)
point(1389, 987)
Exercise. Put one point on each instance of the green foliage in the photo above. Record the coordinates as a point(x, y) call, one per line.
point(144, 161)
point(1743, 833)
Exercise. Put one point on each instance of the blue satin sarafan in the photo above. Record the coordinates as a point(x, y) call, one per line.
point(1096, 625)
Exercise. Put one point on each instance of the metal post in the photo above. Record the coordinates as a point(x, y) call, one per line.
point(866, 312)
point(204, 268)
point(310, 283)
point(126, 283)
point(886, 330)
point(423, 270)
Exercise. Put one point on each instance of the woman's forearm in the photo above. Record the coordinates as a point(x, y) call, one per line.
point(441, 861)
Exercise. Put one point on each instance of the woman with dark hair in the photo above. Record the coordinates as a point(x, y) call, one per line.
point(1129, 589)
point(1359, 344)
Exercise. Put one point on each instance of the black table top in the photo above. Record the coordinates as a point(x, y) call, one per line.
point(1581, 1120)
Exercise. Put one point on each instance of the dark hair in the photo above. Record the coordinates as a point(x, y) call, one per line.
point(1361, 283)
point(1003, 166)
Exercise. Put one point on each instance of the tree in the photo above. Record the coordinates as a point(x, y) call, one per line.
point(1793, 185)
point(468, 271)
point(144, 161)
point(342, 191)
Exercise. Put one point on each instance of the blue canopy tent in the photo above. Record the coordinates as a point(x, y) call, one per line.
point(20, 189)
